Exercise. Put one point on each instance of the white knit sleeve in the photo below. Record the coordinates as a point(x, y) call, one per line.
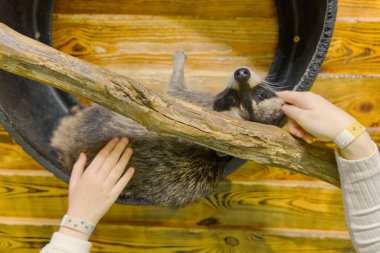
point(61, 243)
point(360, 180)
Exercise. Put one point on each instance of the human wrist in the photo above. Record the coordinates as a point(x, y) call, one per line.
point(78, 211)
point(73, 233)
point(76, 226)
point(359, 148)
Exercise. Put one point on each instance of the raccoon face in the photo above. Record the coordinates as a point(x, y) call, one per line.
point(245, 98)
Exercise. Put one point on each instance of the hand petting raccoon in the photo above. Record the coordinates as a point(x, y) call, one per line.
point(311, 115)
point(94, 190)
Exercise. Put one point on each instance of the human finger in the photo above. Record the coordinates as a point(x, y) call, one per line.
point(119, 168)
point(302, 100)
point(113, 157)
point(309, 138)
point(294, 128)
point(102, 155)
point(77, 171)
point(122, 182)
point(293, 112)
point(298, 131)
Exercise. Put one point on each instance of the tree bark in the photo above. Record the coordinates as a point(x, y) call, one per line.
point(165, 115)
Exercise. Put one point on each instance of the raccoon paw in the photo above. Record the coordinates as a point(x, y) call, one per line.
point(179, 57)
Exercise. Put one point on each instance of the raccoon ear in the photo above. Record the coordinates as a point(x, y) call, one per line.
point(226, 99)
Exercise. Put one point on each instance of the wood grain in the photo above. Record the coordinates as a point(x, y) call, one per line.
point(12, 156)
point(359, 8)
point(355, 48)
point(200, 8)
point(204, 8)
point(242, 203)
point(24, 237)
point(130, 42)
point(147, 42)
point(359, 96)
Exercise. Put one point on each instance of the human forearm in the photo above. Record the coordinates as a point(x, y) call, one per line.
point(360, 181)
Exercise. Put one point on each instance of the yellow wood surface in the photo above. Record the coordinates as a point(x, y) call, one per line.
point(129, 42)
point(23, 236)
point(259, 208)
point(204, 8)
point(249, 204)
point(201, 8)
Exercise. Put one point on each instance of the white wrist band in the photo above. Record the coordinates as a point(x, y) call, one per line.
point(349, 134)
point(77, 224)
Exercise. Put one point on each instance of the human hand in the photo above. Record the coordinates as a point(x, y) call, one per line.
point(311, 115)
point(94, 190)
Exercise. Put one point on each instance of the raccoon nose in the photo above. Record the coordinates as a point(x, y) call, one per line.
point(242, 75)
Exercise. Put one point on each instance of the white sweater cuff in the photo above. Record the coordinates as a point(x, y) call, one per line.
point(68, 243)
point(358, 170)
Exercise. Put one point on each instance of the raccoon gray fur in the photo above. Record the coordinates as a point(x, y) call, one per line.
point(169, 171)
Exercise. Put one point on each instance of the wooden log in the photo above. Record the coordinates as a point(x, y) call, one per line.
point(164, 115)
point(29, 235)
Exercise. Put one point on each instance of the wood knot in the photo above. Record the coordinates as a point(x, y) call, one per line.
point(232, 241)
point(208, 221)
point(366, 107)
point(77, 47)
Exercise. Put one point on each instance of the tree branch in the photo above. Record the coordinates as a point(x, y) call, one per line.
point(165, 115)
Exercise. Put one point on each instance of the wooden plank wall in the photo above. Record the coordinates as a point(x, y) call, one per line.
point(259, 208)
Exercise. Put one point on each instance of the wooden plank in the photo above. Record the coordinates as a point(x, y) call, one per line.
point(247, 204)
point(12, 156)
point(130, 41)
point(207, 8)
point(358, 96)
point(355, 48)
point(23, 236)
point(201, 8)
point(359, 8)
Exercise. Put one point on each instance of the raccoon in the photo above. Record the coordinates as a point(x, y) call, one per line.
point(169, 171)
